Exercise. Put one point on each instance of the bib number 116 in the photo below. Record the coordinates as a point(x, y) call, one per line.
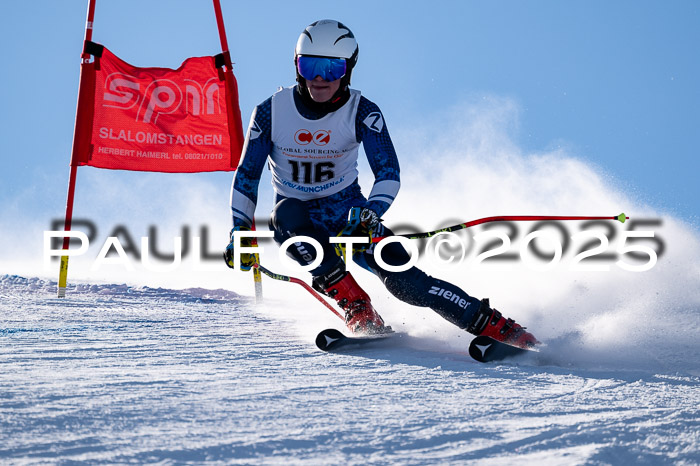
point(310, 172)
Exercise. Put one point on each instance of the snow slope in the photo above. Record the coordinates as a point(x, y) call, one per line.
point(119, 374)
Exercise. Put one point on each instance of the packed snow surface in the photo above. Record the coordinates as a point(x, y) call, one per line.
point(119, 374)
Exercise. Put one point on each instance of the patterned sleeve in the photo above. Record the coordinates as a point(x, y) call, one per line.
point(371, 130)
point(257, 147)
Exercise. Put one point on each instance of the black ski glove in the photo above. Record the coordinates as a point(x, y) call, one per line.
point(361, 223)
point(247, 259)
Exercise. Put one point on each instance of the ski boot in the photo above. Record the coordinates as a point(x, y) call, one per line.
point(489, 322)
point(360, 316)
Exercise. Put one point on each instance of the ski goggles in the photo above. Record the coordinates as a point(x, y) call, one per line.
point(329, 69)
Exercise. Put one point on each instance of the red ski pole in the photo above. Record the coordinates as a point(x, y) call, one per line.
point(286, 278)
point(506, 218)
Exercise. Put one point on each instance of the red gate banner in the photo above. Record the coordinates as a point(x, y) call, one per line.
point(157, 119)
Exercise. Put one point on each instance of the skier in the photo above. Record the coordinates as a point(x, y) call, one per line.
point(310, 134)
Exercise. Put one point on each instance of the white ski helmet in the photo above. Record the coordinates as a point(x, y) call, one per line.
point(331, 39)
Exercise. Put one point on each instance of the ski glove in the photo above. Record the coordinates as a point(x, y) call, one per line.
point(247, 259)
point(361, 223)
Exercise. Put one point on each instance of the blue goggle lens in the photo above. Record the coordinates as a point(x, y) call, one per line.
point(329, 69)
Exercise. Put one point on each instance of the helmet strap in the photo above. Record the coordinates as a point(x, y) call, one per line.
point(339, 99)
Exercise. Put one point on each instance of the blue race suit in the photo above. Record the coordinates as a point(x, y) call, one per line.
point(325, 216)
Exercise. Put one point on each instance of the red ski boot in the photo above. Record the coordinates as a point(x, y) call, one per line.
point(491, 323)
point(360, 316)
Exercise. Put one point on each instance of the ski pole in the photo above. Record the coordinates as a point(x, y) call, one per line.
point(257, 278)
point(286, 278)
point(506, 218)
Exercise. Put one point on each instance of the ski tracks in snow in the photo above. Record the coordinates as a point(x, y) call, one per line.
point(122, 374)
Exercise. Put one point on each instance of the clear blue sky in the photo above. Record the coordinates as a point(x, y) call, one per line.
point(617, 83)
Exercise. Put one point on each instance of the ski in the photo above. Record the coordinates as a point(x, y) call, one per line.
point(334, 340)
point(486, 349)
point(482, 348)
